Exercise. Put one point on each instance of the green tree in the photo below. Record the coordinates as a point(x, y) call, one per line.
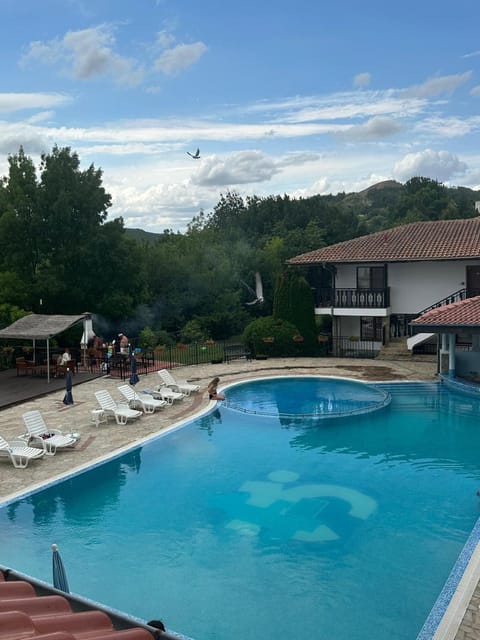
point(294, 303)
point(20, 219)
point(73, 203)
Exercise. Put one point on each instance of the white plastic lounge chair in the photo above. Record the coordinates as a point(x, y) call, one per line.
point(183, 386)
point(51, 439)
point(19, 452)
point(121, 412)
point(146, 402)
point(167, 394)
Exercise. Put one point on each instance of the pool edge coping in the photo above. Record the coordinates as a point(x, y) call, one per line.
point(448, 611)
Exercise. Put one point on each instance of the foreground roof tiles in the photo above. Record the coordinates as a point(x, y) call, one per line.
point(462, 313)
point(26, 614)
point(437, 240)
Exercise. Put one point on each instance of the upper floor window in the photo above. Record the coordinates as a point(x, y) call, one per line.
point(371, 277)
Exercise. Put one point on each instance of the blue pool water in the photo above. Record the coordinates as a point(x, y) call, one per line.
point(285, 397)
point(236, 527)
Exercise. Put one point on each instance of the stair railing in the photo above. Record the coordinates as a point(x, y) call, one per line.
point(461, 294)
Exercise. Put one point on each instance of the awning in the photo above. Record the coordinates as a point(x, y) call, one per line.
point(40, 327)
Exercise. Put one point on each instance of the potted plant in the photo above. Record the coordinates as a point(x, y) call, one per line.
point(298, 338)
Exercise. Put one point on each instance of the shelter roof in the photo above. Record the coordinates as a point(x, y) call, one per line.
point(461, 314)
point(40, 327)
point(433, 240)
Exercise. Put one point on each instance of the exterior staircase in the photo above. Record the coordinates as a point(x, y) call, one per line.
point(397, 349)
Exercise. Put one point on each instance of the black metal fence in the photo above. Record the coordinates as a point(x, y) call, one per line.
point(169, 357)
point(343, 347)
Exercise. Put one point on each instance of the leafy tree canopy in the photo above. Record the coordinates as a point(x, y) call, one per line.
point(59, 254)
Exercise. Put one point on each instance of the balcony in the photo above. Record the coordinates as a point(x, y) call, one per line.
point(353, 298)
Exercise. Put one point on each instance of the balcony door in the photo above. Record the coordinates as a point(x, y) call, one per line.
point(372, 277)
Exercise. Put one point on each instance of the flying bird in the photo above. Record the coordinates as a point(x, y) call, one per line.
point(258, 293)
point(195, 155)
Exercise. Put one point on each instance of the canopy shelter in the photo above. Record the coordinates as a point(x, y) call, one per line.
point(43, 327)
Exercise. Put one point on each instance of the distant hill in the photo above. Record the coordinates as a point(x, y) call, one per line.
point(380, 206)
point(386, 184)
point(141, 236)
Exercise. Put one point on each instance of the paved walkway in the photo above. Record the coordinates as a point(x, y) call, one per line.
point(98, 443)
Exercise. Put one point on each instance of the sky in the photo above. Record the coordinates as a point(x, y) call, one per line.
point(299, 98)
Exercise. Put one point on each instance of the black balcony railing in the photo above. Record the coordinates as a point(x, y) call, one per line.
point(353, 298)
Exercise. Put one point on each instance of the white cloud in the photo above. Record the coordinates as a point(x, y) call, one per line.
point(374, 129)
point(41, 116)
point(92, 53)
point(180, 57)
point(86, 54)
point(449, 127)
point(475, 91)
point(438, 165)
point(472, 54)
point(165, 39)
point(340, 106)
point(239, 168)
point(362, 80)
point(145, 202)
point(11, 138)
point(10, 102)
point(436, 86)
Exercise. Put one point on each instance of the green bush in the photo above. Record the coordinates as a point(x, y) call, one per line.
point(147, 339)
point(271, 337)
point(214, 326)
point(194, 331)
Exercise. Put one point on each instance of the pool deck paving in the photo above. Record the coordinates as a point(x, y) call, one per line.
point(98, 443)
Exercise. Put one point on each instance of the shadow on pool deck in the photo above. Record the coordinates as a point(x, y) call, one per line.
point(15, 389)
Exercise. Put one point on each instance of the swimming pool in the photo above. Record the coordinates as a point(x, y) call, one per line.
point(239, 526)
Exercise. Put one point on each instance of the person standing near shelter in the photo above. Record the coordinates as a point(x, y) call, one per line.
point(66, 357)
point(124, 343)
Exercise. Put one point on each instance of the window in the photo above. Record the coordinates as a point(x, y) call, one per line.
point(371, 277)
point(371, 328)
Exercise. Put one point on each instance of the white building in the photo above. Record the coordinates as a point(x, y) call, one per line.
point(374, 285)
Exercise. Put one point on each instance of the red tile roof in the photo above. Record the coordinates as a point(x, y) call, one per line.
point(437, 240)
point(464, 313)
point(29, 611)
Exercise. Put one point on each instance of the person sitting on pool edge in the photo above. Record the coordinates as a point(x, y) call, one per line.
point(212, 390)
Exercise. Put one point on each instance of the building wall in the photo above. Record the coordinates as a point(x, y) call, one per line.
point(413, 285)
